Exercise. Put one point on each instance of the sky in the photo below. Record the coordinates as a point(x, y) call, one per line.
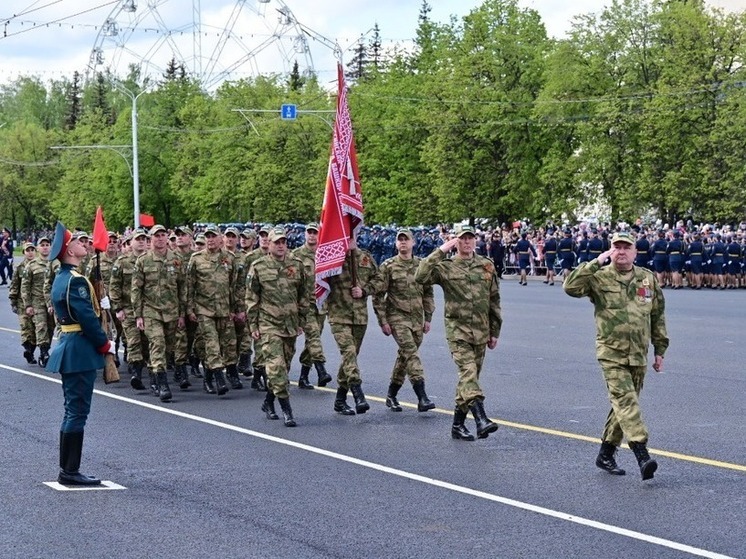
point(53, 38)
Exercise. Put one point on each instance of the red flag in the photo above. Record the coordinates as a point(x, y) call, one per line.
point(342, 212)
point(147, 220)
point(100, 234)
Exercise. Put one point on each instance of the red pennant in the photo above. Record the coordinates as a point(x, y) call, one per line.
point(100, 234)
point(147, 220)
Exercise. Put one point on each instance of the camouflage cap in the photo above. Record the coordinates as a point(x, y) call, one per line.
point(112, 234)
point(231, 231)
point(276, 234)
point(211, 230)
point(312, 227)
point(43, 238)
point(622, 237)
point(248, 233)
point(139, 232)
point(465, 230)
point(265, 229)
point(200, 239)
point(406, 232)
point(157, 229)
point(80, 235)
point(183, 229)
point(27, 246)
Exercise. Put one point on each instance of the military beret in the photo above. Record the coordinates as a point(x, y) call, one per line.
point(276, 234)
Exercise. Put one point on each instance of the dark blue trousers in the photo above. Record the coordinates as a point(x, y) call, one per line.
point(77, 388)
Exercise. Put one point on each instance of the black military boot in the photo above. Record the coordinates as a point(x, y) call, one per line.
point(287, 412)
point(244, 364)
point(181, 370)
point(303, 383)
point(647, 464)
point(154, 390)
point(28, 353)
point(361, 405)
point(194, 365)
point(43, 355)
point(259, 382)
point(391, 401)
point(207, 383)
point(268, 406)
point(71, 449)
point(606, 461)
point(423, 402)
point(324, 377)
point(340, 403)
point(220, 384)
point(135, 370)
point(164, 391)
point(484, 425)
point(458, 429)
point(231, 372)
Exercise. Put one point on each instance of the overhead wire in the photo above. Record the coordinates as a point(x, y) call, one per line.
point(57, 21)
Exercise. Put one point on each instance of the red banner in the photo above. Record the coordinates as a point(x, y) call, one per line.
point(147, 220)
point(100, 234)
point(342, 212)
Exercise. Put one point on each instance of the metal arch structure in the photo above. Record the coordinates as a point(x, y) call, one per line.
point(256, 37)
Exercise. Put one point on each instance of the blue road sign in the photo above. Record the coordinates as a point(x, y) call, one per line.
point(288, 112)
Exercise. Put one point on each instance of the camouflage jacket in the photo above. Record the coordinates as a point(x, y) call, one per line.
point(399, 298)
point(341, 306)
point(276, 296)
point(158, 288)
point(32, 282)
point(308, 257)
point(52, 269)
point(472, 295)
point(211, 288)
point(120, 282)
point(14, 290)
point(629, 312)
point(106, 265)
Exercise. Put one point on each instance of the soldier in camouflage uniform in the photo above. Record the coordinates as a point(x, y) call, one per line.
point(404, 308)
point(105, 262)
point(277, 304)
point(120, 295)
point(629, 310)
point(313, 352)
point(243, 336)
point(159, 303)
point(211, 292)
point(473, 321)
point(230, 242)
point(34, 303)
point(184, 344)
point(259, 380)
point(348, 318)
point(28, 333)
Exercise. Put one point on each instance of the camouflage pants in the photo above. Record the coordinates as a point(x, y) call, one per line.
point(408, 361)
point(137, 345)
point(184, 344)
point(313, 352)
point(161, 336)
point(43, 325)
point(349, 338)
point(624, 384)
point(28, 332)
point(258, 354)
point(468, 358)
point(243, 338)
point(279, 351)
point(218, 334)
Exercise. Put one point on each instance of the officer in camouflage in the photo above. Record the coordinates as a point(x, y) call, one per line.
point(34, 303)
point(629, 311)
point(405, 309)
point(473, 321)
point(26, 322)
point(159, 302)
point(313, 352)
point(277, 303)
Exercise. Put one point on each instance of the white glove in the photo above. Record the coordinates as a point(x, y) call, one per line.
point(105, 303)
point(111, 349)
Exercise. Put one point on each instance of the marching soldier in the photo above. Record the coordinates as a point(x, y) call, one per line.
point(405, 309)
point(230, 242)
point(566, 250)
point(34, 303)
point(313, 352)
point(260, 374)
point(244, 340)
point(28, 332)
point(277, 304)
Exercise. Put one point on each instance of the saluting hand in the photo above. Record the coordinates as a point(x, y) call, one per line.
point(449, 245)
point(604, 257)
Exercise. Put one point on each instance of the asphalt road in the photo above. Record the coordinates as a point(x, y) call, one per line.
point(211, 477)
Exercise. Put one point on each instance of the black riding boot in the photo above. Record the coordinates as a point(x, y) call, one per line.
point(207, 383)
point(244, 364)
point(340, 403)
point(164, 391)
point(391, 401)
point(423, 402)
point(231, 372)
point(135, 370)
point(268, 406)
point(361, 405)
point(303, 383)
point(324, 377)
point(647, 464)
point(28, 353)
point(43, 355)
point(287, 412)
point(606, 461)
point(71, 449)
point(458, 429)
point(484, 425)
point(259, 382)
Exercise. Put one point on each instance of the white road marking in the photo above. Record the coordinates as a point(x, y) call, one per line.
point(105, 486)
point(670, 544)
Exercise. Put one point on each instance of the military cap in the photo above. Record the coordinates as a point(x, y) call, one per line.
point(276, 234)
point(231, 231)
point(139, 232)
point(265, 229)
point(172, 236)
point(62, 238)
point(112, 234)
point(80, 235)
point(406, 232)
point(157, 229)
point(312, 227)
point(27, 246)
point(465, 230)
point(43, 238)
point(212, 230)
point(622, 237)
point(200, 239)
point(248, 233)
point(183, 229)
